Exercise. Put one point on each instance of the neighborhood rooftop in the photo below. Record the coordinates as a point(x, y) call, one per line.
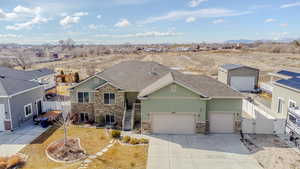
point(24, 75)
point(143, 76)
point(292, 83)
point(289, 73)
point(234, 66)
point(13, 81)
point(10, 86)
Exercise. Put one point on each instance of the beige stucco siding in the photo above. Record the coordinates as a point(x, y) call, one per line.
point(222, 75)
point(286, 94)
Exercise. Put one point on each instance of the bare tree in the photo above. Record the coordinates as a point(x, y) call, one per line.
point(23, 60)
point(64, 119)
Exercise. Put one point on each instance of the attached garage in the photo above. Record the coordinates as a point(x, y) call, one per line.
point(221, 123)
point(173, 123)
point(239, 77)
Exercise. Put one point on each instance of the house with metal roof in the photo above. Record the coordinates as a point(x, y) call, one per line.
point(286, 94)
point(21, 96)
point(157, 98)
point(239, 77)
point(275, 76)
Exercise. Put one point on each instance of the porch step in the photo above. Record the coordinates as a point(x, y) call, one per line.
point(127, 125)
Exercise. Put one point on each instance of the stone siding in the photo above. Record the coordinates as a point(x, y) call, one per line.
point(101, 109)
point(77, 108)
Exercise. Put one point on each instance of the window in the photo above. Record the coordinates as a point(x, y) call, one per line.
point(280, 105)
point(110, 119)
point(292, 103)
point(109, 98)
point(292, 119)
point(28, 110)
point(83, 97)
point(84, 117)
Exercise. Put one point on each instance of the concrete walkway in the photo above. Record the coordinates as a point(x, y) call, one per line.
point(13, 142)
point(222, 151)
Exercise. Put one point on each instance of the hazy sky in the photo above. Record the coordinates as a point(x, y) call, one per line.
point(147, 21)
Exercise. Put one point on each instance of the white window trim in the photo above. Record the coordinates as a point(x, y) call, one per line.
point(292, 101)
point(282, 99)
point(109, 99)
point(83, 92)
point(30, 104)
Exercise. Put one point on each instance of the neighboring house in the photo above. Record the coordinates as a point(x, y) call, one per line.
point(285, 95)
point(282, 74)
point(158, 98)
point(44, 76)
point(19, 100)
point(239, 77)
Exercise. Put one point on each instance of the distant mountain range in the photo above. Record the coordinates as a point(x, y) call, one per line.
point(284, 40)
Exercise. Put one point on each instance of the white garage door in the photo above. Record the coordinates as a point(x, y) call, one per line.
point(242, 83)
point(2, 116)
point(221, 122)
point(173, 123)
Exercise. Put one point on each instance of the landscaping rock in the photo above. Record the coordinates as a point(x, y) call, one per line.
point(87, 161)
point(104, 150)
point(109, 145)
point(92, 156)
point(99, 154)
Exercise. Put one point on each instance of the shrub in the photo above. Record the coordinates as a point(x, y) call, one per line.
point(134, 141)
point(144, 141)
point(115, 134)
point(13, 161)
point(126, 139)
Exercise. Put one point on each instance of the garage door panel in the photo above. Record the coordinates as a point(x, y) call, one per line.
point(243, 83)
point(169, 123)
point(221, 122)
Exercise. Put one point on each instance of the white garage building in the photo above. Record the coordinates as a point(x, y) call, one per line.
point(239, 77)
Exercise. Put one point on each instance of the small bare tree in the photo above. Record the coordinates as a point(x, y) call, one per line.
point(23, 60)
point(64, 119)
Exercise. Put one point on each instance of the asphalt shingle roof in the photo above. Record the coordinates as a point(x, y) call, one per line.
point(138, 76)
point(13, 81)
point(10, 86)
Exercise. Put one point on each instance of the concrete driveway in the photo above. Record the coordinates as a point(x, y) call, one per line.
point(220, 151)
point(13, 142)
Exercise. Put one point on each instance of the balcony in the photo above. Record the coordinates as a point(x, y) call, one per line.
point(293, 120)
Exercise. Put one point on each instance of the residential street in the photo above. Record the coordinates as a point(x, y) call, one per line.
point(220, 151)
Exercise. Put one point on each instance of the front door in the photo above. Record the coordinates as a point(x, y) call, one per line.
point(2, 117)
point(39, 107)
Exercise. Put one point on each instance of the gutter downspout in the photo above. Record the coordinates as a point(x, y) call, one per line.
point(9, 109)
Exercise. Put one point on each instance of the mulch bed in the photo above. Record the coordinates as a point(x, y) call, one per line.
point(70, 152)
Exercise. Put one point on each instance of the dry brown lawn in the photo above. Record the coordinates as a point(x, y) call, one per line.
point(92, 140)
point(205, 62)
point(122, 157)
